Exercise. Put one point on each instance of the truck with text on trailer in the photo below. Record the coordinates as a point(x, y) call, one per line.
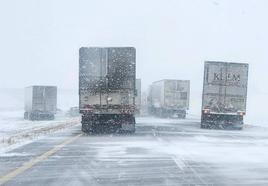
point(224, 95)
point(107, 88)
point(169, 98)
point(40, 102)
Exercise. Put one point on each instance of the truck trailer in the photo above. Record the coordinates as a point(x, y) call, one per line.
point(107, 91)
point(40, 102)
point(224, 95)
point(169, 98)
point(138, 97)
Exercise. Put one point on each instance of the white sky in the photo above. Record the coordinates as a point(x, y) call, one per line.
point(39, 40)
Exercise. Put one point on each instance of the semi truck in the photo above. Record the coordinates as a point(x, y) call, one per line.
point(224, 95)
point(40, 102)
point(107, 92)
point(138, 97)
point(169, 98)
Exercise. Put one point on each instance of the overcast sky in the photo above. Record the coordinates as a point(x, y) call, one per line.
point(39, 40)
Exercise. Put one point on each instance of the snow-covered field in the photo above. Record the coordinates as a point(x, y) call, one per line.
point(14, 129)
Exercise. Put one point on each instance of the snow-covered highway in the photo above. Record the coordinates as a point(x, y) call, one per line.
point(161, 152)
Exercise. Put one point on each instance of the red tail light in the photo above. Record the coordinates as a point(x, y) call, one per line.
point(206, 111)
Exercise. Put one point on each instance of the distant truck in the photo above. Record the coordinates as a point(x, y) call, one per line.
point(73, 112)
point(169, 98)
point(138, 97)
point(107, 89)
point(40, 102)
point(224, 95)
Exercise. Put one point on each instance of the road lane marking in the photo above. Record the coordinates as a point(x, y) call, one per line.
point(36, 160)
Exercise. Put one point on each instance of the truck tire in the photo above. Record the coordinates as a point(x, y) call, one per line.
point(87, 123)
point(83, 128)
point(51, 117)
point(26, 115)
point(87, 128)
point(31, 116)
point(239, 128)
point(204, 126)
point(182, 116)
point(130, 126)
point(133, 120)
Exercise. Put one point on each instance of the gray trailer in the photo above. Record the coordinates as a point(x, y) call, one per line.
point(169, 98)
point(224, 95)
point(40, 102)
point(138, 96)
point(107, 89)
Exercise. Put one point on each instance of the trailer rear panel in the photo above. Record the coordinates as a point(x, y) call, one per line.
point(224, 95)
point(41, 98)
point(169, 97)
point(171, 93)
point(40, 102)
point(225, 87)
point(106, 79)
point(107, 88)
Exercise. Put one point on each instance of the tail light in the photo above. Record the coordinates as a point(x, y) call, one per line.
point(206, 111)
point(88, 108)
point(241, 113)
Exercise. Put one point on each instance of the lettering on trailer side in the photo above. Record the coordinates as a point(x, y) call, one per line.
point(228, 77)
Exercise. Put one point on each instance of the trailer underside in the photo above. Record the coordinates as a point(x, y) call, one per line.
point(168, 113)
point(221, 121)
point(108, 123)
point(37, 115)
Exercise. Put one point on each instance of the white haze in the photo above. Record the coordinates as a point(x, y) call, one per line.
point(40, 41)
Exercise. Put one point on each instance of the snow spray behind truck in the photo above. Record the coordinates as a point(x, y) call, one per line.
point(169, 98)
point(40, 102)
point(107, 88)
point(224, 95)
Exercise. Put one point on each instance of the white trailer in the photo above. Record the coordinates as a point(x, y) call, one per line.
point(169, 98)
point(107, 88)
point(224, 95)
point(40, 102)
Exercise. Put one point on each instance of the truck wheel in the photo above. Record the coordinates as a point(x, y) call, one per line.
point(51, 117)
point(26, 115)
point(182, 116)
point(83, 128)
point(203, 126)
point(237, 127)
point(31, 116)
point(128, 128)
point(133, 131)
point(87, 128)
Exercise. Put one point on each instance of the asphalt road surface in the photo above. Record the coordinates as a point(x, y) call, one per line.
point(161, 152)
